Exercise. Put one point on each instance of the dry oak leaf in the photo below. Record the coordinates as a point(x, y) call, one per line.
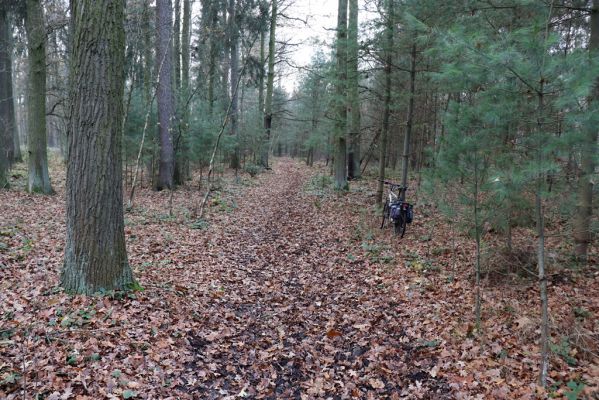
point(376, 383)
point(333, 333)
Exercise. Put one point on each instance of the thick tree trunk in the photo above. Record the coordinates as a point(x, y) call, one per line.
point(39, 179)
point(95, 253)
point(340, 139)
point(165, 97)
point(386, 114)
point(353, 156)
point(269, 87)
point(584, 208)
point(8, 125)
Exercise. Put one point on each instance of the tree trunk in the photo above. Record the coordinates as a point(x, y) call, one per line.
point(477, 230)
point(213, 56)
point(95, 253)
point(3, 165)
point(269, 86)
point(540, 217)
point(584, 207)
point(340, 139)
point(147, 52)
point(234, 43)
point(225, 62)
point(7, 108)
point(353, 156)
point(262, 73)
point(177, 46)
point(147, 76)
point(185, 92)
point(179, 144)
point(5, 143)
point(386, 114)
point(165, 99)
point(39, 179)
point(410, 122)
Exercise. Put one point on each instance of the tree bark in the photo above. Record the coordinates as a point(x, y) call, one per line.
point(340, 139)
point(7, 108)
point(213, 55)
point(179, 140)
point(234, 44)
point(408, 136)
point(584, 207)
point(177, 46)
point(226, 60)
point(148, 62)
point(540, 219)
point(95, 253)
point(185, 92)
point(3, 165)
point(353, 156)
point(269, 86)
point(261, 77)
point(5, 143)
point(165, 98)
point(39, 179)
point(389, 31)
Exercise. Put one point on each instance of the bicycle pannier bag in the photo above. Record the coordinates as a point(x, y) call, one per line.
point(395, 211)
point(409, 212)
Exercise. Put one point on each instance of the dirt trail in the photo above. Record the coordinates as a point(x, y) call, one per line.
point(295, 317)
point(272, 298)
point(286, 291)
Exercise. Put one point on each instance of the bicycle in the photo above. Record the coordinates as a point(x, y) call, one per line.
point(396, 210)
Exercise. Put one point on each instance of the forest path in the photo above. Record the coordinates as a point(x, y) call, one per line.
point(294, 313)
point(285, 291)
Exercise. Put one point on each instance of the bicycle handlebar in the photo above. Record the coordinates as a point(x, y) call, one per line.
point(393, 184)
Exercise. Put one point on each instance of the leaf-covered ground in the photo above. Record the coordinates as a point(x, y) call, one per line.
point(286, 290)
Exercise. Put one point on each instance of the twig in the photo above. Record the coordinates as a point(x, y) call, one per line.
point(220, 134)
point(143, 135)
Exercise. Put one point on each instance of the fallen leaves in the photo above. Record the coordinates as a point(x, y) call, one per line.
point(263, 302)
point(332, 333)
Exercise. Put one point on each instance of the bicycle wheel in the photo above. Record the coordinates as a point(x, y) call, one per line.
point(400, 224)
point(385, 214)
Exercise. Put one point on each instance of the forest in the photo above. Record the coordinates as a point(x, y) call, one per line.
point(290, 199)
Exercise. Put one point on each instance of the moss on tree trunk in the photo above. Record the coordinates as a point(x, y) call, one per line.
point(39, 179)
point(95, 254)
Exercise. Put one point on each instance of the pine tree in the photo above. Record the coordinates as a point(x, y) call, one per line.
point(7, 111)
point(340, 100)
point(165, 94)
point(353, 155)
point(388, 51)
point(268, 101)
